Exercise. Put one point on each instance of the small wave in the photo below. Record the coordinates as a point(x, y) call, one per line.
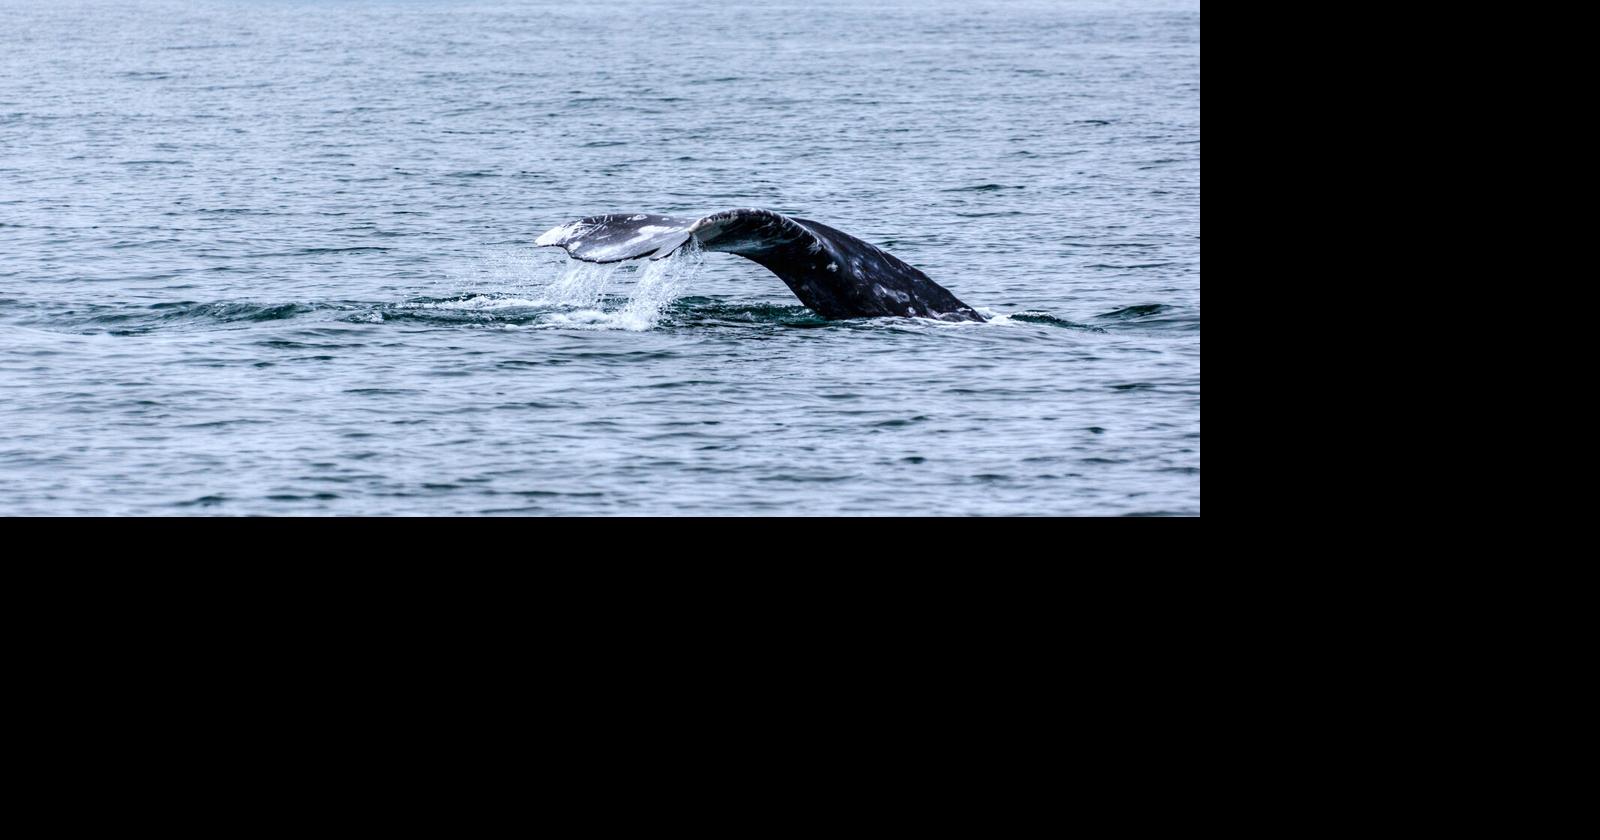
point(702, 311)
point(1154, 316)
point(137, 319)
point(1128, 313)
point(230, 312)
point(1045, 318)
point(475, 303)
point(985, 188)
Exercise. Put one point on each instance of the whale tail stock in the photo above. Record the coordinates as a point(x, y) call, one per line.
point(833, 273)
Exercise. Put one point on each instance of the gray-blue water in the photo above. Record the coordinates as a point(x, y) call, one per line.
point(277, 257)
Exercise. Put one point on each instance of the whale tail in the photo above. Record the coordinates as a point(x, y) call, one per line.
point(833, 273)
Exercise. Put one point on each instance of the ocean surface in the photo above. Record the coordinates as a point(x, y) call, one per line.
point(276, 257)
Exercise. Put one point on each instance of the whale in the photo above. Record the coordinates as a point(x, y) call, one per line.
point(833, 273)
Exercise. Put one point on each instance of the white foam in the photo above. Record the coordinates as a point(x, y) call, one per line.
point(480, 303)
point(993, 316)
point(593, 319)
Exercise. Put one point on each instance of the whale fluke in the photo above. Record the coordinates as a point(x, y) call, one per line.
point(835, 274)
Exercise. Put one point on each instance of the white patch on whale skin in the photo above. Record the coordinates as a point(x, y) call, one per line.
point(833, 266)
point(644, 233)
point(556, 235)
point(638, 218)
point(708, 229)
point(896, 294)
point(641, 235)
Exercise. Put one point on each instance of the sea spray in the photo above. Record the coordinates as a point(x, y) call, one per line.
point(533, 279)
point(580, 284)
point(612, 296)
point(661, 282)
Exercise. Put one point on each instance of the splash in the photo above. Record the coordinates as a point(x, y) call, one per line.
point(576, 295)
point(528, 276)
point(581, 284)
point(661, 284)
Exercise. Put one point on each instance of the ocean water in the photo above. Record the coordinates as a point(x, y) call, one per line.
point(276, 257)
